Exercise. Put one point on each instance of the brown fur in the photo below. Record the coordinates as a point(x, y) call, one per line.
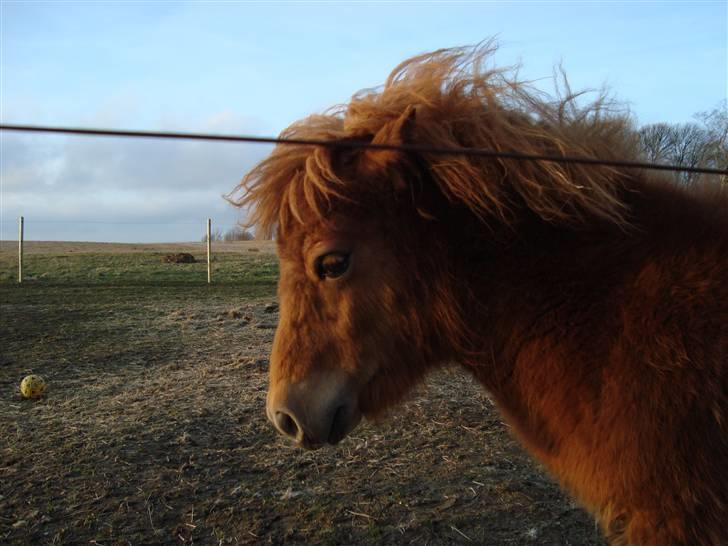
point(591, 302)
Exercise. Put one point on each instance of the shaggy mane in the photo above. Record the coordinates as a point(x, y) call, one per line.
point(460, 102)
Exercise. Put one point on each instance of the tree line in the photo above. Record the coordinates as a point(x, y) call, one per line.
point(702, 143)
point(236, 233)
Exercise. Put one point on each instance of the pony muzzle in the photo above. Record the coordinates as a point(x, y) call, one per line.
point(316, 411)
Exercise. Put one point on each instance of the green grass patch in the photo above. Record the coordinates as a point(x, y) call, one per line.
point(139, 268)
point(88, 303)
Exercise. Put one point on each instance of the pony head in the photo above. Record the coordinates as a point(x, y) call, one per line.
point(373, 244)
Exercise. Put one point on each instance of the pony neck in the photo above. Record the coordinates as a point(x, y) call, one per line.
point(560, 313)
point(541, 296)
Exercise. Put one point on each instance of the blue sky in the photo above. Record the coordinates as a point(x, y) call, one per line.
point(254, 67)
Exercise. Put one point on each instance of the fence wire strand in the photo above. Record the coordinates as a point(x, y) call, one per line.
point(478, 152)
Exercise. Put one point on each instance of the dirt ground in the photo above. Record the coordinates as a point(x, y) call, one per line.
point(153, 432)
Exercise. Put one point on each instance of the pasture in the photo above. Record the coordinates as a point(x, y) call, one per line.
point(153, 429)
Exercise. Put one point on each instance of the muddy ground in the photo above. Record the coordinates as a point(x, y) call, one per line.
point(153, 432)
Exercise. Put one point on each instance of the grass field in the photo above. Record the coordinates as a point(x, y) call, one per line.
point(153, 428)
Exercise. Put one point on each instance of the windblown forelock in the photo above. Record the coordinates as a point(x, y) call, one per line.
point(459, 102)
point(294, 183)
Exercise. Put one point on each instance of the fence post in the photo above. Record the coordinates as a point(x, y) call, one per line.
point(209, 248)
point(20, 249)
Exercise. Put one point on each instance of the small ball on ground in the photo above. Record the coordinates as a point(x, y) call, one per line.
point(33, 386)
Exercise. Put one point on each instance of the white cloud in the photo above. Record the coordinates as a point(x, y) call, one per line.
point(75, 182)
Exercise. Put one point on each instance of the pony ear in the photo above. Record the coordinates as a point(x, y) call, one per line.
point(397, 132)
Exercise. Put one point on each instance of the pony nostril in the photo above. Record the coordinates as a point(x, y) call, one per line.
point(286, 424)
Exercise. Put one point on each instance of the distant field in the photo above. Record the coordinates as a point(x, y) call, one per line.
point(65, 247)
point(153, 427)
point(138, 264)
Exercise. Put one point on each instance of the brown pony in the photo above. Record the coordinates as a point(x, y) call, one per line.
point(590, 302)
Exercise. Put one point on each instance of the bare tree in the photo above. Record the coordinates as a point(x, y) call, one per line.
point(691, 147)
point(686, 144)
point(716, 123)
point(655, 141)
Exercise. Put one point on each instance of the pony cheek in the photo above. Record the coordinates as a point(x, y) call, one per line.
point(380, 393)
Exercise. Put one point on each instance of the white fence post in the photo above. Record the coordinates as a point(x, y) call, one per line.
point(20, 249)
point(209, 250)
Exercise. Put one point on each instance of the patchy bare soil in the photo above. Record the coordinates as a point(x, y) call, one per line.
point(153, 432)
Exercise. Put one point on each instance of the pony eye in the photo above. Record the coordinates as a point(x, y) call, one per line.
point(332, 265)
